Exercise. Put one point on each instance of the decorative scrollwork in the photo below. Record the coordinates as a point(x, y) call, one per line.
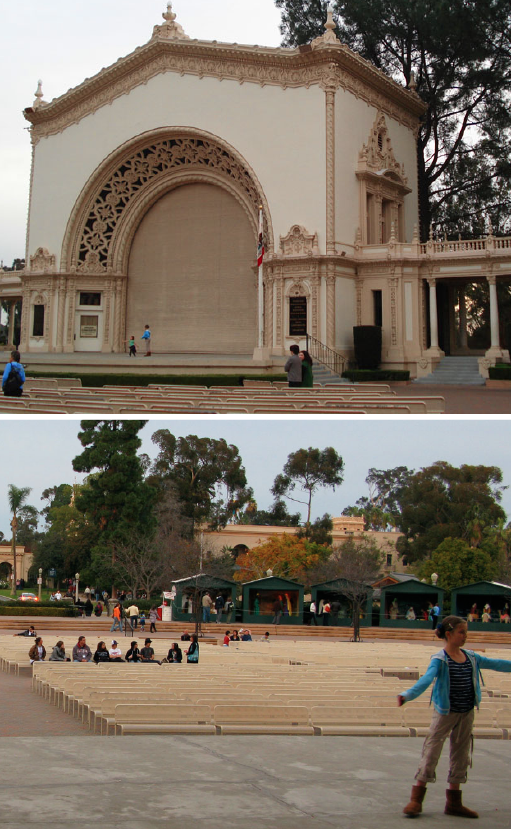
point(135, 173)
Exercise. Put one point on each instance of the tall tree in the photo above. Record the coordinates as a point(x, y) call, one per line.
point(381, 509)
point(442, 501)
point(458, 55)
point(309, 470)
point(277, 515)
point(456, 563)
point(117, 500)
point(288, 556)
point(17, 498)
point(207, 475)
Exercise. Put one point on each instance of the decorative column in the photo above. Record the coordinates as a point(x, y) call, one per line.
point(330, 306)
point(25, 319)
point(330, 91)
point(12, 314)
point(433, 315)
point(494, 312)
point(61, 318)
point(463, 319)
point(269, 309)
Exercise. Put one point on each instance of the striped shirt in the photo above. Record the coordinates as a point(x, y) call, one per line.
point(461, 685)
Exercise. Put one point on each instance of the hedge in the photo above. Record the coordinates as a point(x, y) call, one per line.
point(36, 611)
point(376, 375)
point(500, 372)
point(98, 380)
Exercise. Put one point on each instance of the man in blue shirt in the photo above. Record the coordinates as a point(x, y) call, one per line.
point(14, 376)
point(147, 337)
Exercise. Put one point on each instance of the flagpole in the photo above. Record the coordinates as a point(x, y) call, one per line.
point(260, 292)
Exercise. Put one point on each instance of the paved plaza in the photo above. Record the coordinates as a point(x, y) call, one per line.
point(56, 773)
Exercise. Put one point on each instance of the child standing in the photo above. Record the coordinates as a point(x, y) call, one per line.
point(133, 348)
point(147, 337)
point(141, 619)
point(456, 691)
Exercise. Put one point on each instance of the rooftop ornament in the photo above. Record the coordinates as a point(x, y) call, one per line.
point(329, 38)
point(38, 95)
point(170, 30)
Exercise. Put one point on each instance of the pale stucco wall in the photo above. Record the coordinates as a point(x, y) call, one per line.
point(354, 120)
point(279, 132)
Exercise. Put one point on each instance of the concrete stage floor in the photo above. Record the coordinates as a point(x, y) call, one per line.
point(218, 782)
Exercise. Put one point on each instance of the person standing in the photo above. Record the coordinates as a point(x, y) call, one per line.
point(132, 346)
point(456, 674)
point(13, 377)
point(192, 654)
point(206, 607)
point(153, 617)
point(435, 613)
point(219, 606)
point(277, 611)
point(307, 376)
point(117, 616)
point(293, 368)
point(132, 612)
point(147, 337)
point(312, 611)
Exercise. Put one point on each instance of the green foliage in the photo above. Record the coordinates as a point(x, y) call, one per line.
point(457, 563)
point(376, 376)
point(382, 509)
point(276, 516)
point(309, 469)
point(207, 476)
point(5, 610)
point(500, 372)
point(116, 501)
point(442, 501)
point(319, 532)
point(459, 56)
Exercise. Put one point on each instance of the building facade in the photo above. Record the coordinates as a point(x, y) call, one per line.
point(156, 169)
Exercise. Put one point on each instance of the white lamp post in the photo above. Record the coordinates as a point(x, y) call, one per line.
point(77, 580)
point(40, 582)
point(434, 579)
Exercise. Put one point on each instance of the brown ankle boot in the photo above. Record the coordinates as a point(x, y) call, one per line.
point(414, 807)
point(454, 806)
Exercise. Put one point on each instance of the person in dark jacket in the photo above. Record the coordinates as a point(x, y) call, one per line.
point(37, 652)
point(175, 653)
point(133, 653)
point(192, 654)
point(101, 654)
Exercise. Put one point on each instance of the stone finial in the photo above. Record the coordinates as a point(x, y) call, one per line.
point(431, 232)
point(170, 30)
point(38, 95)
point(329, 38)
point(490, 227)
point(412, 86)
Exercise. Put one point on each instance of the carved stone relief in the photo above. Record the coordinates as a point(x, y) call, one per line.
point(42, 261)
point(299, 243)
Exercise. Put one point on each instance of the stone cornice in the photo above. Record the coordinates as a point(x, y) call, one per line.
point(334, 65)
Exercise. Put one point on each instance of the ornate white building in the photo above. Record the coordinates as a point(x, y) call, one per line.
point(145, 191)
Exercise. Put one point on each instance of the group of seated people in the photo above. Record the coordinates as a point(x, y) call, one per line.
point(82, 653)
point(241, 635)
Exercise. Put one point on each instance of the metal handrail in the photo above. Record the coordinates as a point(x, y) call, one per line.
point(325, 355)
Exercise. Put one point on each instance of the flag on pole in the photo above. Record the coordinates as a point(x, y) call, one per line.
point(260, 242)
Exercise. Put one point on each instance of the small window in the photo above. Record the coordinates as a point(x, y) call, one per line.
point(38, 326)
point(380, 141)
point(90, 298)
point(389, 559)
point(377, 308)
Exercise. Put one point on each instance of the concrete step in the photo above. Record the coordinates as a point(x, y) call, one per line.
point(455, 371)
point(322, 374)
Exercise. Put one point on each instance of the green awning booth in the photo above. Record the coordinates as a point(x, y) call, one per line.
point(397, 599)
point(334, 591)
point(259, 597)
point(189, 591)
point(469, 602)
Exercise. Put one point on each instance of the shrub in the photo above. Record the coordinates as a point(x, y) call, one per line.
point(6, 610)
point(367, 342)
point(500, 372)
point(377, 375)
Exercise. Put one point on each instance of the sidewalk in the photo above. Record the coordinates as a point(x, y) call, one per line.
point(236, 782)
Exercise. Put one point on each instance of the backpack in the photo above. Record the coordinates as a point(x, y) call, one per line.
point(14, 383)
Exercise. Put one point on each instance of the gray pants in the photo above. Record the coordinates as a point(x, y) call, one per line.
point(459, 726)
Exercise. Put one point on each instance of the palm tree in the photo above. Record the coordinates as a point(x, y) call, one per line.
point(17, 497)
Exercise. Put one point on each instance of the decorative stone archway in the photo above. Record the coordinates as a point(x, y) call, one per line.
point(123, 190)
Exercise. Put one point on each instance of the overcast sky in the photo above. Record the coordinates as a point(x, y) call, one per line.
point(39, 453)
point(63, 43)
